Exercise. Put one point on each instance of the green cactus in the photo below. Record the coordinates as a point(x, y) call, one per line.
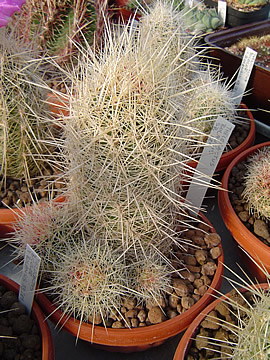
point(22, 108)
point(201, 19)
point(257, 184)
point(253, 2)
point(55, 24)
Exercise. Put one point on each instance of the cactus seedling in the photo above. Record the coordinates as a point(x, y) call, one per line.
point(257, 184)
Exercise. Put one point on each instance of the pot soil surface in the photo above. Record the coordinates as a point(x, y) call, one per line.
point(19, 335)
point(196, 265)
point(258, 226)
point(261, 44)
point(211, 338)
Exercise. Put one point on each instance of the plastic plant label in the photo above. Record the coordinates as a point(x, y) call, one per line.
point(222, 10)
point(207, 164)
point(29, 278)
point(244, 74)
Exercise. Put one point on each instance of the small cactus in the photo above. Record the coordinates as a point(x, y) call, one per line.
point(257, 184)
point(201, 19)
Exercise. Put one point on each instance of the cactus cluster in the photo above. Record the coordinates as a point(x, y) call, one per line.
point(22, 108)
point(257, 184)
point(126, 141)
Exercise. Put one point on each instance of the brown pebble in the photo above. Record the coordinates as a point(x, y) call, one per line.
point(209, 268)
point(180, 287)
point(171, 313)
point(132, 313)
point(156, 315)
point(201, 256)
point(215, 252)
point(173, 300)
point(142, 315)
point(211, 321)
point(244, 216)
point(134, 322)
point(117, 325)
point(187, 302)
point(129, 303)
point(212, 240)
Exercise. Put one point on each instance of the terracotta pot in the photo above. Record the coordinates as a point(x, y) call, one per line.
point(38, 317)
point(228, 156)
point(185, 342)
point(58, 105)
point(249, 242)
point(136, 339)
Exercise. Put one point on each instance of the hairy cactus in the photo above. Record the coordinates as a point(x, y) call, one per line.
point(209, 97)
point(257, 184)
point(47, 229)
point(126, 141)
point(22, 108)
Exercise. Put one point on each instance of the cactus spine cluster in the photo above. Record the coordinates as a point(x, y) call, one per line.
point(257, 184)
point(125, 142)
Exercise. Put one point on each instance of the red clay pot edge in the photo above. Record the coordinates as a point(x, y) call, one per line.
point(239, 232)
point(47, 341)
point(139, 336)
point(186, 339)
point(228, 156)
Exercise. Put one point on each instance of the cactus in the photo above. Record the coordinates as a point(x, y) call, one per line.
point(201, 19)
point(126, 140)
point(252, 2)
point(22, 109)
point(46, 229)
point(257, 184)
point(209, 97)
point(55, 24)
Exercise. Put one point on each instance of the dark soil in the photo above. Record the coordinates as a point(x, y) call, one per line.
point(20, 338)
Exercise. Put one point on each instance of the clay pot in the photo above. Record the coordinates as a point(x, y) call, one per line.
point(228, 156)
point(38, 317)
point(244, 238)
point(135, 339)
point(185, 342)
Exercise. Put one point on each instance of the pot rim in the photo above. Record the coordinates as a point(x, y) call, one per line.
point(186, 339)
point(244, 238)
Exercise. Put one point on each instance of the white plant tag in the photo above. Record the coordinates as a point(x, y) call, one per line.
point(244, 74)
point(207, 164)
point(29, 278)
point(222, 10)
